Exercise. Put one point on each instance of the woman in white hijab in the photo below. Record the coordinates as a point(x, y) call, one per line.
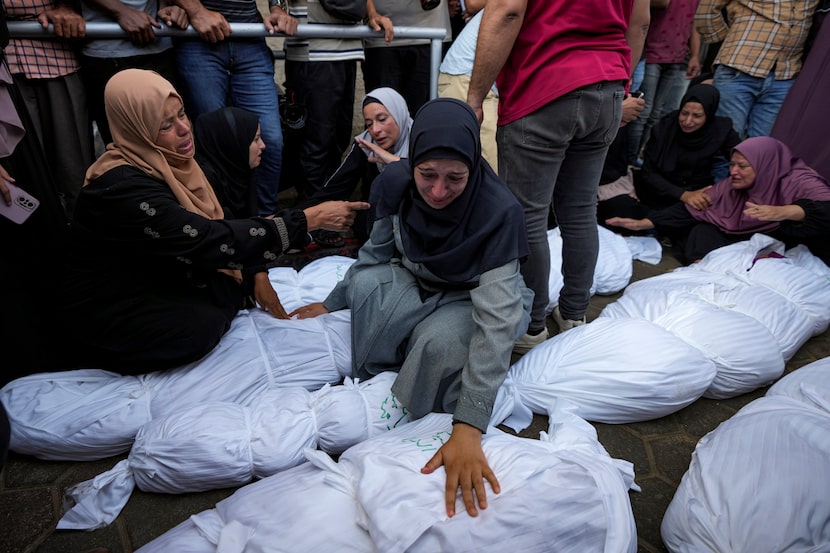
point(385, 141)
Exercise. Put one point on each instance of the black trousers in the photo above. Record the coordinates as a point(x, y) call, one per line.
point(158, 331)
point(325, 89)
point(692, 237)
point(404, 68)
point(31, 252)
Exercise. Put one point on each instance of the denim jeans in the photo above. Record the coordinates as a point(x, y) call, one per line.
point(752, 102)
point(639, 74)
point(554, 156)
point(238, 73)
point(664, 85)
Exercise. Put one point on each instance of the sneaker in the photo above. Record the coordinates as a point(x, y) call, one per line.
point(566, 324)
point(530, 341)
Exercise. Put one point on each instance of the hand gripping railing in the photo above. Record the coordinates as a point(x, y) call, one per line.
point(33, 29)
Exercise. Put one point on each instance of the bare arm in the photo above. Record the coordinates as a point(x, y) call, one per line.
point(278, 21)
point(637, 30)
point(173, 15)
point(791, 212)
point(211, 26)
point(138, 25)
point(472, 7)
point(66, 18)
point(379, 22)
point(693, 67)
point(500, 26)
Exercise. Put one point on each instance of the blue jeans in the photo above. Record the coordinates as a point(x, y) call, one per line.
point(752, 102)
point(664, 85)
point(554, 156)
point(639, 73)
point(238, 73)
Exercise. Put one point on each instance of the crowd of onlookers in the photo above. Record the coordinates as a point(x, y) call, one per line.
point(753, 63)
point(62, 81)
point(55, 88)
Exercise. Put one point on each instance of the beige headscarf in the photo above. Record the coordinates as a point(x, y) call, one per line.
point(134, 100)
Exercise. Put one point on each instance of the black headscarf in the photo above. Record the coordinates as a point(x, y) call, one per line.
point(223, 138)
point(481, 229)
point(672, 142)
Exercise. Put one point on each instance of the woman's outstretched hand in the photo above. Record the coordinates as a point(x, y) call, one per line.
point(266, 296)
point(630, 224)
point(697, 199)
point(466, 468)
point(333, 215)
point(309, 311)
point(774, 212)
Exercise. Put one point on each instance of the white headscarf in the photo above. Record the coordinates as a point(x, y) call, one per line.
point(397, 108)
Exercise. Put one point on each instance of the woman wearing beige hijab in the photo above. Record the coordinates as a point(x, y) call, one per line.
point(154, 273)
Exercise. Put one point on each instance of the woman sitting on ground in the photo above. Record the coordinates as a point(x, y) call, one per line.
point(680, 157)
point(768, 190)
point(385, 141)
point(154, 274)
point(436, 293)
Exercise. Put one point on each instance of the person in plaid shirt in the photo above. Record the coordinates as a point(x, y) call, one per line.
point(760, 57)
point(46, 73)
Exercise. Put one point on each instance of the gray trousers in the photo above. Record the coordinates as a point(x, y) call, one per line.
point(555, 156)
point(398, 326)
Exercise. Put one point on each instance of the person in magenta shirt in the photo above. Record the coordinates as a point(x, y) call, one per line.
point(562, 70)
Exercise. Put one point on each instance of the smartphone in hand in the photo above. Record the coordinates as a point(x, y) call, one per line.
point(23, 204)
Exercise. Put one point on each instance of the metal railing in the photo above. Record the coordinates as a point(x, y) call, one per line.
point(33, 29)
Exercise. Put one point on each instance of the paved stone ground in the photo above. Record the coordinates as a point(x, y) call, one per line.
point(31, 490)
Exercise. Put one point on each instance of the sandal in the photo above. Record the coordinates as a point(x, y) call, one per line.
point(328, 239)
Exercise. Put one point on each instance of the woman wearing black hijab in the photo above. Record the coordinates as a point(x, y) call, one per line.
point(681, 153)
point(228, 148)
point(436, 293)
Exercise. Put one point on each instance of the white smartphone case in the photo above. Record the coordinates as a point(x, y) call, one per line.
point(23, 204)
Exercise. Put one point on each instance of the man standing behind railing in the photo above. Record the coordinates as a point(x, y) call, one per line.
point(759, 58)
point(141, 49)
point(405, 63)
point(46, 72)
point(454, 80)
point(320, 75)
point(218, 71)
